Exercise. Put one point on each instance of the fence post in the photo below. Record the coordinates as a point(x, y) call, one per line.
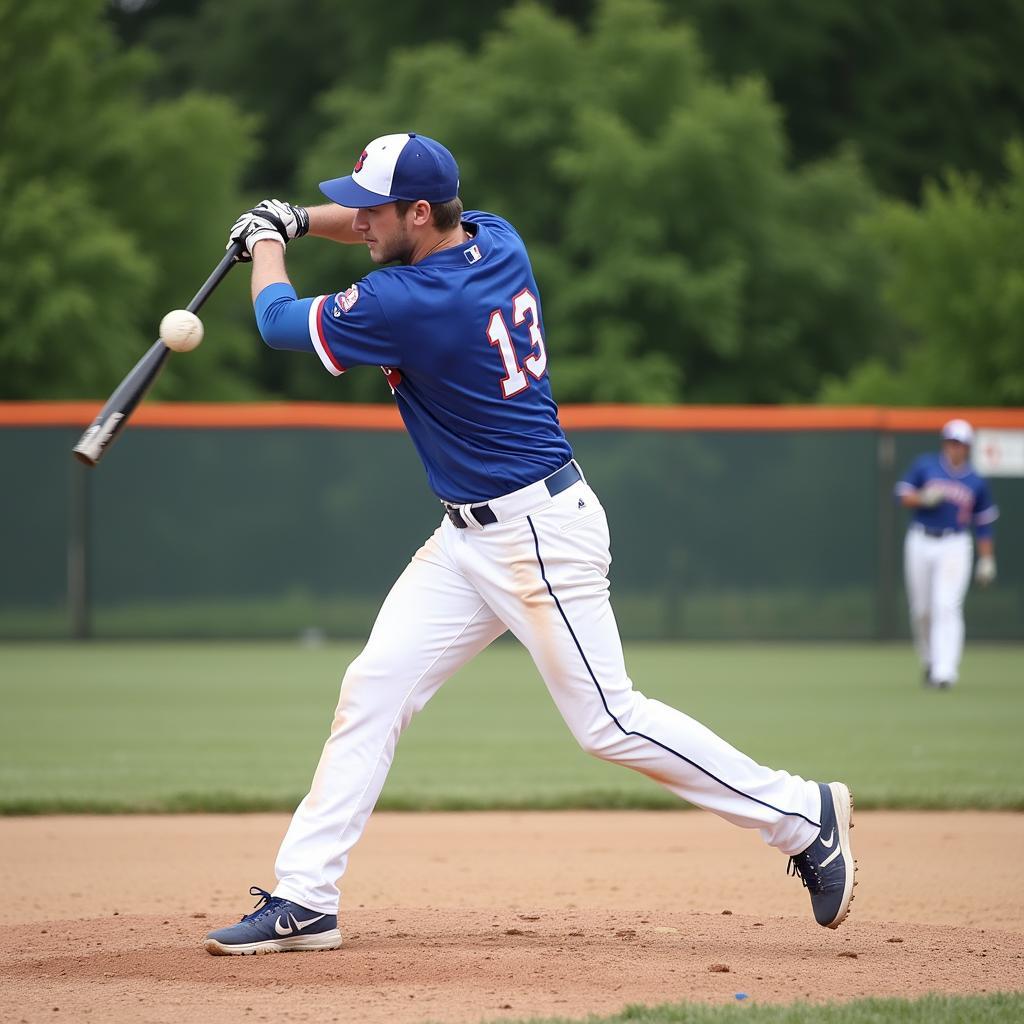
point(78, 553)
point(887, 582)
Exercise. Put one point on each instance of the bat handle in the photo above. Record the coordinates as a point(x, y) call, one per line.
point(216, 276)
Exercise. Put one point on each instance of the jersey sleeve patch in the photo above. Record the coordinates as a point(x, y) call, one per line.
point(345, 300)
point(316, 334)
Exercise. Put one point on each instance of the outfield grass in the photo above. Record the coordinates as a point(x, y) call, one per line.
point(992, 1009)
point(214, 726)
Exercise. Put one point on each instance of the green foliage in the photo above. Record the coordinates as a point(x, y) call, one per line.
point(677, 254)
point(956, 281)
point(275, 63)
point(691, 179)
point(919, 88)
point(114, 210)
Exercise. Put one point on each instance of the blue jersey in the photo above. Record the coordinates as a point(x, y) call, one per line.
point(460, 338)
point(967, 502)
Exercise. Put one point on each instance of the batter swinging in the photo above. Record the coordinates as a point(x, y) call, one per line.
point(523, 542)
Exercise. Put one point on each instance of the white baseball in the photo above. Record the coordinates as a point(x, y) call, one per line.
point(181, 331)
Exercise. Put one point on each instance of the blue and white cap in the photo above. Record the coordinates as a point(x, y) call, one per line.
point(406, 166)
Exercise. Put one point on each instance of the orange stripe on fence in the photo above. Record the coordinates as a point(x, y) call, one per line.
point(341, 416)
point(210, 415)
point(718, 417)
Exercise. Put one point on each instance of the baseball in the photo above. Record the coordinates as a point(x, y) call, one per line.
point(181, 331)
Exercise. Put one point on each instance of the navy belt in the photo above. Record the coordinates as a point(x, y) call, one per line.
point(559, 481)
point(937, 532)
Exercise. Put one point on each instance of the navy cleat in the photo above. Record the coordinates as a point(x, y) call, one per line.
point(276, 926)
point(827, 867)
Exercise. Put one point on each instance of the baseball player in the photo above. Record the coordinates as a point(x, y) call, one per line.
point(949, 499)
point(456, 326)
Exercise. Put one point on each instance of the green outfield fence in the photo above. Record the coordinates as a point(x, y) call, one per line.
point(293, 520)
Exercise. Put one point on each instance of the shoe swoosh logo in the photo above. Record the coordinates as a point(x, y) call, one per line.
point(831, 857)
point(831, 840)
point(296, 925)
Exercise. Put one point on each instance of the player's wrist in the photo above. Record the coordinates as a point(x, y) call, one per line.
point(256, 244)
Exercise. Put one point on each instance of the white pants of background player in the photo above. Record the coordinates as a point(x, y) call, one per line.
point(541, 572)
point(938, 572)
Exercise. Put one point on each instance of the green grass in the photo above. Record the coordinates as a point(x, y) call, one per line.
point(991, 1009)
point(214, 726)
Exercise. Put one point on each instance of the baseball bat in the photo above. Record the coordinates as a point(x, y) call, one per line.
point(113, 417)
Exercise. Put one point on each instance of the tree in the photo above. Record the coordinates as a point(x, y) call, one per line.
point(274, 60)
point(919, 86)
point(677, 255)
point(114, 211)
point(956, 282)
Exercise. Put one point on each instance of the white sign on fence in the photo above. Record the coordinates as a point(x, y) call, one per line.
point(999, 452)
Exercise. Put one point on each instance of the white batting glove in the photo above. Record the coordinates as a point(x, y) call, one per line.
point(931, 495)
point(253, 227)
point(985, 570)
point(294, 218)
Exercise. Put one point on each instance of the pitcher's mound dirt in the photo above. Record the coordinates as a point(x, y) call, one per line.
point(466, 917)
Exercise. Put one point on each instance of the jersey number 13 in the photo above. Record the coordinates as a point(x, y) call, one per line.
point(524, 311)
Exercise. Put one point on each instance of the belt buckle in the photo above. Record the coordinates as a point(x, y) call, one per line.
point(454, 515)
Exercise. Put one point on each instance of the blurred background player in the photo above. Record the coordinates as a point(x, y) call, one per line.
point(949, 499)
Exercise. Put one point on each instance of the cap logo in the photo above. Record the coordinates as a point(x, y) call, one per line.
point(359, 162)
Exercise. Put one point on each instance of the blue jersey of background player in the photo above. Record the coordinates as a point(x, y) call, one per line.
point(469, 374)
point(948, 500)
point(955, 498)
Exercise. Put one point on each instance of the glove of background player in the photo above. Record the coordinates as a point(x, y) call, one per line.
point(931, 495)
point(294, 218)
point(255, 226)
point(985, 570)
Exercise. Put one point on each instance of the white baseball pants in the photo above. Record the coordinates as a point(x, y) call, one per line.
point(937, 572)
point(541, 572)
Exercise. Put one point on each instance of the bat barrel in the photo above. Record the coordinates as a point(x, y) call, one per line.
point(130, 392)
point(114, 414)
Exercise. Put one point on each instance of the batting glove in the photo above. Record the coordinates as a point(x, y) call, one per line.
point(255, 226)
point(985, 570)
point(294, 218)
point(931, 495)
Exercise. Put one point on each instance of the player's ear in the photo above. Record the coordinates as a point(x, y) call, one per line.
point(421, 213)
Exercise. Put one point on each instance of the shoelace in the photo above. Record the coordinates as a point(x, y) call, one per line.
point(263, 903)
point(806, 871)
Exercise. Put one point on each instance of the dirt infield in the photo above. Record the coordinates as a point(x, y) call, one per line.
point(463, 917)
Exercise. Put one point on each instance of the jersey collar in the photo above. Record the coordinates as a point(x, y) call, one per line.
point(963, 471)
point(465, 255)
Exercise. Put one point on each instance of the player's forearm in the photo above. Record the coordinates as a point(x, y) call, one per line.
point(333, 222)
point(986, 547)
point(267, 266)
